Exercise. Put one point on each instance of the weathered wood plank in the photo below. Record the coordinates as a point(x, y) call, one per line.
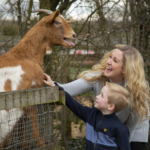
point(62, 98)
point(23, 98)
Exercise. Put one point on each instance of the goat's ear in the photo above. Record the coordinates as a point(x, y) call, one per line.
point(53, 16)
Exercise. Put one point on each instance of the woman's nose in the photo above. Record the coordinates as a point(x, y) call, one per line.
point(109, 61)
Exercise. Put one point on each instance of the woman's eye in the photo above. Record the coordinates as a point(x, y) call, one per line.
point(115, 60)
point(57, 22)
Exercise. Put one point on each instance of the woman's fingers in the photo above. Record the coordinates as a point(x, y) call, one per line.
point(47, 80)
point(46, 77)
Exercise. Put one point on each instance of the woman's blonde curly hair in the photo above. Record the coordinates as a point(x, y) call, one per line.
point(134, 75)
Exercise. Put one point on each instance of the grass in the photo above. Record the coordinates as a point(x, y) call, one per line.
point(74, 71)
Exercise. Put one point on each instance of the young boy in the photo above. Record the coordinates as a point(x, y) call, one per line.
point(104, 131)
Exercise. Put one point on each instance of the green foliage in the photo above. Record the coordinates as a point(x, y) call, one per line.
point(77, 28)
point(77, 144)
point(10, 30)
point(74, 70)
point(147, 146)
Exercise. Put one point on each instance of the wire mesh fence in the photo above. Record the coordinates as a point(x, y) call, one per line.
point(28, 118)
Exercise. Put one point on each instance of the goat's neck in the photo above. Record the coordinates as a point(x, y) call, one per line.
point(33, 49)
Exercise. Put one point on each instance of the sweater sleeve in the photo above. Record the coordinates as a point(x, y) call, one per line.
point(122, 139)
point(132, 123)
point(78, 109)
point(130, 120)
point(76, 87)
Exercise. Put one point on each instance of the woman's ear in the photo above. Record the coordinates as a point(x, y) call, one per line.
point(123, 71)
point(111, 107)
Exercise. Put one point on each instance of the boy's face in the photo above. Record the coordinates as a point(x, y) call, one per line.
point(101, 102)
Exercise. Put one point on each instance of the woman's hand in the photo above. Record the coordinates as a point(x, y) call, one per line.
point(47, 80)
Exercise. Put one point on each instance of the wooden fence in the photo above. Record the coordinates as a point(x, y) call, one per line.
point(47, 101)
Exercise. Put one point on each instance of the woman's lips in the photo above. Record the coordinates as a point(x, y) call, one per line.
point(108, 70)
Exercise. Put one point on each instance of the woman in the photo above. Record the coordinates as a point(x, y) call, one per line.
point(123, 65)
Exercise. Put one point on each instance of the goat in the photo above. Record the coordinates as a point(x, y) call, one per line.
point(21, 68)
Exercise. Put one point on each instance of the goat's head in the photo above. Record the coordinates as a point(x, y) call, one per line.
point(56, 28)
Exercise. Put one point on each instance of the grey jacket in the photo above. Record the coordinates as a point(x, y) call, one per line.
point(138, 131)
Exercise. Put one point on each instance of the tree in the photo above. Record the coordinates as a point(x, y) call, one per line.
point(140, 15)
point(62, 5)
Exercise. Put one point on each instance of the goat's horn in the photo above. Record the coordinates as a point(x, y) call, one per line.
point(45, 11)
point(70, 21)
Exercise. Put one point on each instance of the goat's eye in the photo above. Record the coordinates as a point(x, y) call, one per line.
point(57, 22)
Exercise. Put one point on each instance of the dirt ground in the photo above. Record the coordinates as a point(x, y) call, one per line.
point(76, 133)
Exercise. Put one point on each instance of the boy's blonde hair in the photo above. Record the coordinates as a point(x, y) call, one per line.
point(119, 96)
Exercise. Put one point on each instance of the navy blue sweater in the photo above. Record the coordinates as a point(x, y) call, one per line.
point(103, 132)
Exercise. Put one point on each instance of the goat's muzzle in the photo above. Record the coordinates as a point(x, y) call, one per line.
point(74, 35)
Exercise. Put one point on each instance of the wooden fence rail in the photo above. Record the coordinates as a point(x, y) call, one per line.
point(45, 99)
point(29, 97)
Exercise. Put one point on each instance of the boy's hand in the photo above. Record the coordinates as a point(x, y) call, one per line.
point(47, 80)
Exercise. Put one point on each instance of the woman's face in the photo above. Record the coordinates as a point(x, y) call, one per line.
point(114, 69)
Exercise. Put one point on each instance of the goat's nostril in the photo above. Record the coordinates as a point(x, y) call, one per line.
point(74, 35)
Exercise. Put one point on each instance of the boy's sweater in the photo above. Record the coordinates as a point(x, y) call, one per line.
point(103, 132)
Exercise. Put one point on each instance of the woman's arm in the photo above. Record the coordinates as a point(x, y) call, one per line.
point(132, 123)
point(130, 120)
point(81, 86)
point(76, 87)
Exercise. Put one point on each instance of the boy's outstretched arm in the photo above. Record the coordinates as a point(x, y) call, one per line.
point(78, 109)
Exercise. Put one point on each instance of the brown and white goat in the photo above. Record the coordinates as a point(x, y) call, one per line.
point(20, 68)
